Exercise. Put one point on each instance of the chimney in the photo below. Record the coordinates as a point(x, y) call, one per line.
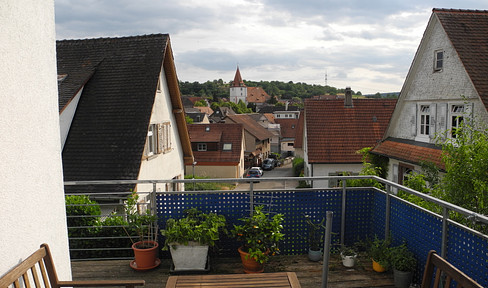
point(348, 98)
point(286, 106)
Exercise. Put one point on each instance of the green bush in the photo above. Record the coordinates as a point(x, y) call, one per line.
point(298, 165)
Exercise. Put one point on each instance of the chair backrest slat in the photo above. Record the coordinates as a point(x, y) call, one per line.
point(45, 278)
point(36, 277)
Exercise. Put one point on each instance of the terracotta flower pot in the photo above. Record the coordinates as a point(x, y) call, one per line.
point(145, 258)
point(250, 265)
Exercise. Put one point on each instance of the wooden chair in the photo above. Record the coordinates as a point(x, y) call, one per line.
point(446, 269)
point(38, 271)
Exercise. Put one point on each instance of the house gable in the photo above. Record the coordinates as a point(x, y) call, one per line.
point(436, 92)
point(109, 130)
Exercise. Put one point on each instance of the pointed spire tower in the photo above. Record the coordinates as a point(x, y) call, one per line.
point(238, 79)
point(238, 90)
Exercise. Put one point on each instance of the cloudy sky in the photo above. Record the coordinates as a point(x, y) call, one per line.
point(365, 44)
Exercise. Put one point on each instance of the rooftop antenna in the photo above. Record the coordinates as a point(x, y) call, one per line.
point(325, 77)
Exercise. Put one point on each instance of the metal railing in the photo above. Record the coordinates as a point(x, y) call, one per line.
point(288, 185)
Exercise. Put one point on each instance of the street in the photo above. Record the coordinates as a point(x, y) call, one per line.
point(283, 171)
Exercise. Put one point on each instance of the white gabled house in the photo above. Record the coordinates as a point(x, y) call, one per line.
point(125, 118)
point(447, 83)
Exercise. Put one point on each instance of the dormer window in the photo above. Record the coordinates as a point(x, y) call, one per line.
point(438, 60)
point(227, 147)
point(202, 147)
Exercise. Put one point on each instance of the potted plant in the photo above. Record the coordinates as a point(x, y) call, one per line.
point(143, 225)
point(379, 253)
point(315, 238)
point(189, 238)
point(404, 263)
point(348, 256)
point(260, 235)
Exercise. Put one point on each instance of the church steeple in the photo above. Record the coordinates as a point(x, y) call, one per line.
point(238, 79)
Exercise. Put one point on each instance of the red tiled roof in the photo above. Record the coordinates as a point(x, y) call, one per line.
point(257, 95)
point(251, 126)
point(410, 151)
point(206, 110)
point(221, 133)
point(468, 32)
point(335, 133)
point(288, 127)
point(270, 117)
point(299, 132)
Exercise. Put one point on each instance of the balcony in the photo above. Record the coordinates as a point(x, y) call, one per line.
point(358, 213)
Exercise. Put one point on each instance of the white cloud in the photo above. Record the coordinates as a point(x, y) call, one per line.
point(363, 44)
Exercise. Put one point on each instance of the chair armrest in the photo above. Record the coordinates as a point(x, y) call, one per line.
point(102, 283)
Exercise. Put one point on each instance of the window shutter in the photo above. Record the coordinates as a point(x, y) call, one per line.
point(160, 138)
point(168, 136)
point(442, 123)
point(414, 118)
point(432, 120)
point(468, 111)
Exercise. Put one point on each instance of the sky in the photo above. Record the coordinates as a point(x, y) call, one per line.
point(367, 45)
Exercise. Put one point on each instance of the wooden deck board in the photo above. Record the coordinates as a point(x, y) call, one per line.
point(309, 274)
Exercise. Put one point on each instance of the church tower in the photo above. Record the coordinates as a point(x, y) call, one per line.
point(238, 90)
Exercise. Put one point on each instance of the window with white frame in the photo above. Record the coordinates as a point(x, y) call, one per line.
point(438, 60)
point(424, 123)
point(227, 147)
point(158, 139)
point(457, 118)
point(202, 147)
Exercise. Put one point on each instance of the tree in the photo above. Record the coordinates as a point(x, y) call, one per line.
point(466, 179)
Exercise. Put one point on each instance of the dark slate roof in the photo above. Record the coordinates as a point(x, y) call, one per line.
point(468, 32)
point(410, 151)
point(336, 132)
point(108, 133)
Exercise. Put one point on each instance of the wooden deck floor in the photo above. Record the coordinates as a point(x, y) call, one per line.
point(309, 273)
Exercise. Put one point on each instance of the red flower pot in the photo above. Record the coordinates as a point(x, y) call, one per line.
point(145, 254)
point(250, 265)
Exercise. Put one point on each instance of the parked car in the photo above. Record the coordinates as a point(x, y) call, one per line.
point(253, 174)
point(268, 164)
point(261, 172)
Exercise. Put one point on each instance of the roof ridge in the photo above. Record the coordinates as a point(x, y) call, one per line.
point(460, 11)
point(130, 37)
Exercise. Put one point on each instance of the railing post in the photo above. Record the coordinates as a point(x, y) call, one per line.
point(387, 212)
point(343, 212)
point(328, 233)
point(445, 216)
point(251, 197)
point(154, 211)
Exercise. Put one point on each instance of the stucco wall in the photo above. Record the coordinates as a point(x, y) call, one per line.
point(326, 169)
point(168, 165)
point(32, 195)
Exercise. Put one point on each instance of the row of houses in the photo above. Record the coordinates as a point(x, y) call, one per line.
point(122, 116)
point(446, 85)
